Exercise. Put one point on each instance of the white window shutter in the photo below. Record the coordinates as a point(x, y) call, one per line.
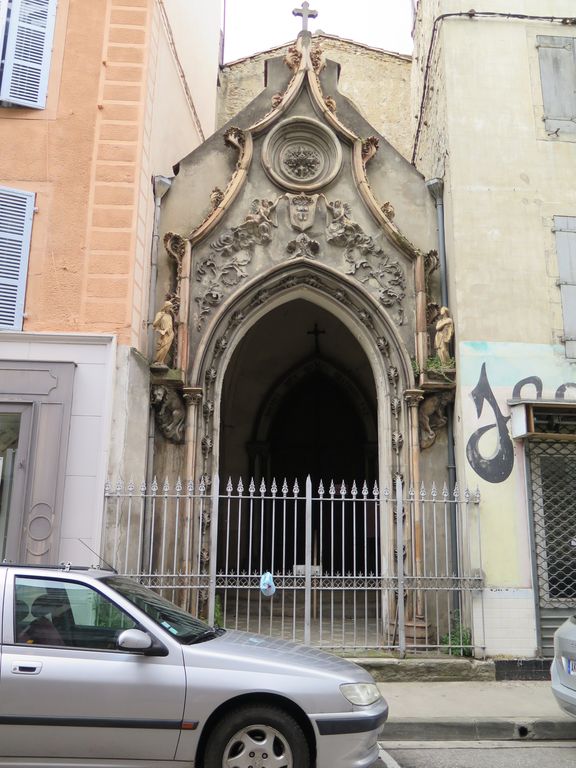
point(565, 228)
point(3, 17)
point(16, 214)
point(557, 57)
point(28, 53)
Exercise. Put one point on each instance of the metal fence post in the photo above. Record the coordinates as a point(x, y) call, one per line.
point(401, 618)
point(308, 561)
point(213, 548)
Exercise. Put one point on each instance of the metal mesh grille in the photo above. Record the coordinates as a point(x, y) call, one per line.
point(553, 487)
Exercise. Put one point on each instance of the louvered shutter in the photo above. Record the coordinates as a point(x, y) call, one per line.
point(565, 228)
point(3, 18)
point(557, 57)
point(16, 213)
point(28, 52)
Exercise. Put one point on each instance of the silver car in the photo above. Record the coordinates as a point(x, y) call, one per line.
point(96, 669)
point(564, 666)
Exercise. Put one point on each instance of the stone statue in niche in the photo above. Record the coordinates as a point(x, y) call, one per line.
point(432, 416)
point(170, 412)
point(164, 326)
point(443, 336)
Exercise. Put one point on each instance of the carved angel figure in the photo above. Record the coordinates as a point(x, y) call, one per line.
point(164, 326)
point(339, 215)
point(444, 334)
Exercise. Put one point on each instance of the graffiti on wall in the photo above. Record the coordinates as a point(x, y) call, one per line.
point(497, 467)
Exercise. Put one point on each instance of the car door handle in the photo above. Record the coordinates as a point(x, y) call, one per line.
point(26, 667)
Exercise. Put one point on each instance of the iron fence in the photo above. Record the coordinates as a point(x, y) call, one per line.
point(351, 567)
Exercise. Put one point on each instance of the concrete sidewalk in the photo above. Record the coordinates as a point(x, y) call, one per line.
point(474, 710)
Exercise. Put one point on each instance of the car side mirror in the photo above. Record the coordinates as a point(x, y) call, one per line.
point(134, 640)
point(137, 640)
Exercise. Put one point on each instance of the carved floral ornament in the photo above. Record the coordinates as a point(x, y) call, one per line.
point(301, 154)
point(229, 260)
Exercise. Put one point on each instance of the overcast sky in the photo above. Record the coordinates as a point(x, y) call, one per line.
point(255, 25)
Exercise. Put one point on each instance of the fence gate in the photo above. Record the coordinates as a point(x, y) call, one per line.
point(332, 553)
point(553, 490)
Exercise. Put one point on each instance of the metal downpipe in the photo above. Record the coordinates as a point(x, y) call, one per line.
point(436, 188)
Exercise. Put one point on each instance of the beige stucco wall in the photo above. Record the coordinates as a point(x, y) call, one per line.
point(377, 82)
point(481, 130)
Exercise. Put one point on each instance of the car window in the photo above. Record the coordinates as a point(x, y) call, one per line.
point(173, 619)
point(56, 612)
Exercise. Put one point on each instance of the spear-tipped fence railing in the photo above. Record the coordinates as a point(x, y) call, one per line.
point(353, 567)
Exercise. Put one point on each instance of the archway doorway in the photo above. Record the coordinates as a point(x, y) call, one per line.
point(299, 400)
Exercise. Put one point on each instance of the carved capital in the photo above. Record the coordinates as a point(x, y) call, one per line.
point(192, 395)
point(413, 397)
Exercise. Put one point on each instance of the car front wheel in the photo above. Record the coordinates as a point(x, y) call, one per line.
point(257, 736)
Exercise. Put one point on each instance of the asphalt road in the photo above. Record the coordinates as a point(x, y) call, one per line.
point(485, 754)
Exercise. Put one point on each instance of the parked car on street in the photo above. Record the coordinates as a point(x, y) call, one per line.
point(98, 669)
point(564, 666)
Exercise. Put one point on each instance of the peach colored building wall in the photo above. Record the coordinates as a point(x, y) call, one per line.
point(126, 100)
point(120, 109)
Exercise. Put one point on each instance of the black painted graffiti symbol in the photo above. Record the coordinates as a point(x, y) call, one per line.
point(498, 467)
point(495, 468)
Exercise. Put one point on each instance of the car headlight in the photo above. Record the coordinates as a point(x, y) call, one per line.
point(362, 694)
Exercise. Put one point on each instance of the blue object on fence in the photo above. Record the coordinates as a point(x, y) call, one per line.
point(267, 586)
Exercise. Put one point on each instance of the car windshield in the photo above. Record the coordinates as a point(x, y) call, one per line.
point(178, 622)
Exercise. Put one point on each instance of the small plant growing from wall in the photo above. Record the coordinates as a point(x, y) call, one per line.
point(458, 640)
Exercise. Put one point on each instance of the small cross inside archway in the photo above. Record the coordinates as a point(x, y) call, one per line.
point(306, 14)
point(316, 332)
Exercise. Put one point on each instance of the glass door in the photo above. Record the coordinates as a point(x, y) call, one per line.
point(14, 449)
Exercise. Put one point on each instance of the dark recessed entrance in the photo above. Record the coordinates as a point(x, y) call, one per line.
point(317, 431)
point(299, 400)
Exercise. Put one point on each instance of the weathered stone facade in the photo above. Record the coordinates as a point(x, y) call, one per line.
point(376, 81)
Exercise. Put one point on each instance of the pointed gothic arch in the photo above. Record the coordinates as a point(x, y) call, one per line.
point(347, 300)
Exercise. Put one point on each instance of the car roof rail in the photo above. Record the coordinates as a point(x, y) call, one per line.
point(58, 567)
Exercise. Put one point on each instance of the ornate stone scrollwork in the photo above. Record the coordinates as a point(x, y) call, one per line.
point(330, 103)
point(369, 148)
point(365, 260)
point(317, 59)
point(226, 264)
point(388, 210)
point(176, 248)
point(293, 58)
point(303, 246)
point(234, 137)
point(170, 412)
point(216, 197)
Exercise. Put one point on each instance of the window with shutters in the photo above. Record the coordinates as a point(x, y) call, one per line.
point(16, 213)
point(26, 32)
point(557, 57)
point(565, 231)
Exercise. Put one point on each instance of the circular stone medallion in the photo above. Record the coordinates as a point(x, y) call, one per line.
point(301, 154)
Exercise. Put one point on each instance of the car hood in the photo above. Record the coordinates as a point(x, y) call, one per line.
point(242, 651)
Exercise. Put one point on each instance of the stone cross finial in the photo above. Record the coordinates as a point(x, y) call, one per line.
point(306, 14)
